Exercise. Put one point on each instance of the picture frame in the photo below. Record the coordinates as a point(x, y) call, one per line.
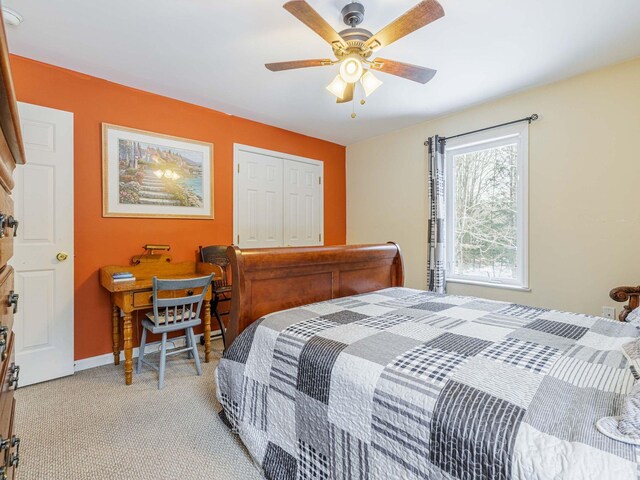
point(152, 175)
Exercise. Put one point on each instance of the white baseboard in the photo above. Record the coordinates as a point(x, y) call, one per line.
point(107, 358)
point(98, 361)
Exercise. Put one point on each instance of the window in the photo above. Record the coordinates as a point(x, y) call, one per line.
point(487, 207)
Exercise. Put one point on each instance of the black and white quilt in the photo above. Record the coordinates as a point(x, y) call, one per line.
point(407, 384)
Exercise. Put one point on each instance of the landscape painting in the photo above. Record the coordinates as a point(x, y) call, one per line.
point(153, 175)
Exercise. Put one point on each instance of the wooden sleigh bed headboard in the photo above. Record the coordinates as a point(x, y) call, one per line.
point(267, 280)
point(623, 294)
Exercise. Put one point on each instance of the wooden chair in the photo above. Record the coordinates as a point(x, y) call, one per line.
point(181, 311)
point(217, 254)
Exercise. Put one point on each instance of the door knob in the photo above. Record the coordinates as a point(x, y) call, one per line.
point(62, 256)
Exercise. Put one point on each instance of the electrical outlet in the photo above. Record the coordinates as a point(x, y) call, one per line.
point(609, 312)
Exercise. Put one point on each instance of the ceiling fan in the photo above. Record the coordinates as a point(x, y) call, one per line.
point(354, 46)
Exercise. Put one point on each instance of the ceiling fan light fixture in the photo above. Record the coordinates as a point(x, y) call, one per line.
point(11, 17)
point(338, 87)
point(351, 68)
point(370, 82)
point(353, 47)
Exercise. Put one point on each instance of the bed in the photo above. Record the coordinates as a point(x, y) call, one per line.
point(338, 371)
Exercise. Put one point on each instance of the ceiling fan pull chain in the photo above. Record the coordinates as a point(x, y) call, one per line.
point(353, 108)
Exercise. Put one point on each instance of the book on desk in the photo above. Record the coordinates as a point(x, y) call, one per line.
point(120, 277)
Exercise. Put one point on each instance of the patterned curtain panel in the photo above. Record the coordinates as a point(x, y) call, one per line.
point(436, 257)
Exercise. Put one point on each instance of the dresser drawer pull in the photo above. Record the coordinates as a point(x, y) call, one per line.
point(3, 342)
point(13, 223)
point(14, 459)
point(13, 300)
point(14, 372)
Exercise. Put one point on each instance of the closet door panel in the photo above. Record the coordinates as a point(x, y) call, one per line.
point(259, 204)
point(302, 204)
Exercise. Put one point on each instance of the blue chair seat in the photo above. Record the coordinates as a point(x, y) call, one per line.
point(151, 326)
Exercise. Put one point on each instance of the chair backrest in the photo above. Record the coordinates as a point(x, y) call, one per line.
point(176, 310)
point(217, 254)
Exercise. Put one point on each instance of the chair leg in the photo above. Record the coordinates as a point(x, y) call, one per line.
point(143, 343)
point(221, 325)
point(194, 349)
point(163, 361)
point(187, 339)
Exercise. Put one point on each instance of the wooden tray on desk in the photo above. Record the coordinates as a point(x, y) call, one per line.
point(145, 272)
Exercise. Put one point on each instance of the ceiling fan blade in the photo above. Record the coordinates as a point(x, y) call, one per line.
point(307, 15)
point(404, 70)
point(348, 93)
point(422, 14)
point(279, 66)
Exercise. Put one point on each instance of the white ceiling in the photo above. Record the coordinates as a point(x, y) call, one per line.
point(212, 53)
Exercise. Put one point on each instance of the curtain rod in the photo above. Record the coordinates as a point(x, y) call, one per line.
point(530, 119)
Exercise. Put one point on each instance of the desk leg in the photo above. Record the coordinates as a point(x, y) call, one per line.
point(116, 334)
point(128, 348)
point(207, 331)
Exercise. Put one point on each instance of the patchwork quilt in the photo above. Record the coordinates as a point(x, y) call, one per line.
point(407, 384)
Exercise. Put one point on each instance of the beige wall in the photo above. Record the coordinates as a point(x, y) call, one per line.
point(584, 188)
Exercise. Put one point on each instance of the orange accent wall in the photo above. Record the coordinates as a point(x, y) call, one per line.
point(101, 241)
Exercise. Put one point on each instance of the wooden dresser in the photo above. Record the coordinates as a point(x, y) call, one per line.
point(11, 153)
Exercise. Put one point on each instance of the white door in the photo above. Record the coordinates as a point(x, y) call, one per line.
point(259, 200)
point(43, 199)
point(302, 203)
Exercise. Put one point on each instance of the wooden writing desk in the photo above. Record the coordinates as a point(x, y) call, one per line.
point(137, 295)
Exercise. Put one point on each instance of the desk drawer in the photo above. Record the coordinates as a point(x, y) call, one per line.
point(142, 299)
point(145, 299)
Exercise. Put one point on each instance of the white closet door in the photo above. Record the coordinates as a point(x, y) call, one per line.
point(302, 204)
point(259, 215)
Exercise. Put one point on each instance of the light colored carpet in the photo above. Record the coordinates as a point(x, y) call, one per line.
point(92, 426)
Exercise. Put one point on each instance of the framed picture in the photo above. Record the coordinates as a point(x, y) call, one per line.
point(147, 174)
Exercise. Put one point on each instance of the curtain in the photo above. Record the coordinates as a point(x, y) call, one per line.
point(436, 257)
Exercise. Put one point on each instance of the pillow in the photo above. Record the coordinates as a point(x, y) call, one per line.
point(631, 350)
point(626, 426)
point(629, 419)
point(634, 317)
